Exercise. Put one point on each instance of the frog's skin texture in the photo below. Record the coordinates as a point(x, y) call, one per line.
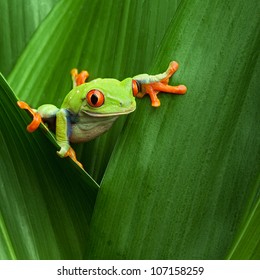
point(90, 109)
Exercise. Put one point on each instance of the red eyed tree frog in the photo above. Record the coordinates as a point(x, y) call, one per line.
point(90, 109)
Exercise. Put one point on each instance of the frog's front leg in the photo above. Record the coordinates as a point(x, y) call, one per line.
point(63, 130)
point(44, 114)
point(153, 84)
point(36, 116)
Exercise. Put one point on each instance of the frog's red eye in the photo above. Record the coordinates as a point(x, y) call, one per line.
point(95, 98)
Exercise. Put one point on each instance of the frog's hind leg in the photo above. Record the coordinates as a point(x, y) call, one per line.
point(78, 78)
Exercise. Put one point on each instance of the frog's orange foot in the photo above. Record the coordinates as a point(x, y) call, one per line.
point(153, 89)
point(36, 116)
point(72, 154)
point(78, 78)
point(159, 83)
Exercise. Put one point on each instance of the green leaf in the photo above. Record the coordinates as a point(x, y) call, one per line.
point(50, 49)
point(46, 202)
point(180, 177)
point(247, 242)
point(19, 19)
point(47, 80)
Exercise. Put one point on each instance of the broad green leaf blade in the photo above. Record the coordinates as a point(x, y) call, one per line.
point(46, 202)
point(7, 250)
point(247, 243)
point(19, 19)
point(41, 75)
point(108, 38)
point(181, 176)
point(137, 38)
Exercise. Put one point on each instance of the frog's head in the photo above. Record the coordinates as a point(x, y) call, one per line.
point(106, 97)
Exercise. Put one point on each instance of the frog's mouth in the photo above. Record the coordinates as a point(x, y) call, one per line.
point(102, 115)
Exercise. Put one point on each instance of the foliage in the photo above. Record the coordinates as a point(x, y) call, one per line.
point(177, 182)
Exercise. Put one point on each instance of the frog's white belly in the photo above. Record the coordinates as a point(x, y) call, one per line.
point(88, 128)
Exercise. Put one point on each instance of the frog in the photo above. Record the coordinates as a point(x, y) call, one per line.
point(91, 108)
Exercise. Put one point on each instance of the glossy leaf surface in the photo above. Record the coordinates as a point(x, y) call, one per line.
point(19, 20)
point(182, 179)
point(103, 37)
point(45, 202)
point(188, 169)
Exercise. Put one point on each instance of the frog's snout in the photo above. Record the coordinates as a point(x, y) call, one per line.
point(127, 104)
point(127, 107)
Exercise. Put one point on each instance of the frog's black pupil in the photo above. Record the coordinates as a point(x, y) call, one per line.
point(94, 99)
